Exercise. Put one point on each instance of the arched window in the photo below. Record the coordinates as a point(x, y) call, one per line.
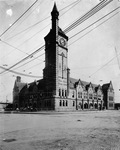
point(63, 103)
point(62, 93)
point(59, 92)
point(66, 103)
point(73, 94)
point(65, 93)
point(79, 94)
point(73, 103)
point(60, 103)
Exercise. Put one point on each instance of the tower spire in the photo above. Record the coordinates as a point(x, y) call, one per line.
point(55, 7)
point(55, 12)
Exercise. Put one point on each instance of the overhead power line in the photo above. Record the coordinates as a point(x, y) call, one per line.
point(76, 2)
point(30, 61)
point(82, 31)
point(13, 47)
point(117, 58)
point(94, 28)
point(75, 23)
point(24, 18)
point(43, 46)
point(30, 27)
point(31, 55)
point(88, 27)
point(20, 73)
point(103, 65)
point(90, 13)
point(16, 48)
point(95, 23)
point(34, 65)
point(18, 18)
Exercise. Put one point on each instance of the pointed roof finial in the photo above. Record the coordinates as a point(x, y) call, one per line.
point(55, 7)
point(55, 10)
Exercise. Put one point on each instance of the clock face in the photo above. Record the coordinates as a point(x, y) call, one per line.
point(62, 42)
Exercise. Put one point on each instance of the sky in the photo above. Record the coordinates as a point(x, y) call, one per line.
point(93, 55)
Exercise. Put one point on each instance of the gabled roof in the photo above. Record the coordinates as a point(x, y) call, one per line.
point(60, 32)
point(74, 81)
point(98, 87)
point(38, 83)
point(49, 35)
point(18, 86)
point(23, 90)
point(30, 86)
point(79, 82)
point(106, 86)
point(41, 84)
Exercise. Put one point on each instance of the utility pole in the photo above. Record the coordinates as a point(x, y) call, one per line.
point(117, 58)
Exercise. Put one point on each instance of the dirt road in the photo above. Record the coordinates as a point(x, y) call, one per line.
point(85, 130)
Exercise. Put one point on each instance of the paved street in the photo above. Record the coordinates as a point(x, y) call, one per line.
point(85, 130)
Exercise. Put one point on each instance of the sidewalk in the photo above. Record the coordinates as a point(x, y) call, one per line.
point(48, 112)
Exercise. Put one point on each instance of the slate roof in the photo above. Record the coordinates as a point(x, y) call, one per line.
point(18, 86)
point(74, 81)
point(30, 86)
point(41, 84)
point(60, 32)
point(105, 87)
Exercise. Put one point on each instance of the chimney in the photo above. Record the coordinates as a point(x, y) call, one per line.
point(68, 81)
point(18, 79)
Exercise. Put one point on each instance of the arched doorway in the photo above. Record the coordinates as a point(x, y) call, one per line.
point(99, 106)
point(91, 105)
point(16, 106)
point(79, 105)
point(96, 106)
point(34, 106)
point(86, 106)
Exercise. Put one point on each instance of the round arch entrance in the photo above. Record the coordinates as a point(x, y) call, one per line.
point(86, 106)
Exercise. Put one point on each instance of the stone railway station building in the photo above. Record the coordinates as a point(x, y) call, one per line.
point(57, 90)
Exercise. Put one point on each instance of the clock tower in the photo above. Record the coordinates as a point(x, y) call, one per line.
point(56, 58)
